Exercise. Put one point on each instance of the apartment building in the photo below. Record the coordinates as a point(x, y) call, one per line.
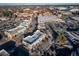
point(37, 43)
point(15, 32)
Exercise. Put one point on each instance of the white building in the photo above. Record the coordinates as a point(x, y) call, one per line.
point(25, 23)
point(74, 10)
point(47, 19)
point(75, 18)
point(4, 53)
point(25, 26)
point(50, 19)
point(61, 8)
point(32, 40)
point(15, 32)
point(37, 43)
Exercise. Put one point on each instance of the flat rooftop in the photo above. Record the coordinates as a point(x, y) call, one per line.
point(47, 18)
point(74, 10)
point(33, 38)
point(17, 30)
point(76, 18)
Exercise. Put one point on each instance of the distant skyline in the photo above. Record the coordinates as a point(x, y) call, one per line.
point(14, 4)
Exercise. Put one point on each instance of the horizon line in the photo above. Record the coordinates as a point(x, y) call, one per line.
point(20, 4)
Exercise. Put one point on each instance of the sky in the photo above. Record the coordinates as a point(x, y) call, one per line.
point(39, 1)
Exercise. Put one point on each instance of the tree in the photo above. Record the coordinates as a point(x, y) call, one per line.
point(7, 13)
point(61, 39)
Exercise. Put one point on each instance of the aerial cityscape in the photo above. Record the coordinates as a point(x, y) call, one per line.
point(39, 30)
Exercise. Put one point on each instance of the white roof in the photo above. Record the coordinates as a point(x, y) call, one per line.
point(46, 18)
point(61, 8)
point(17, 30)
point(21, 28)
point(25, 23)
point(34, 37)
point(76, 18)
point(73, 10)
point(3, 18)
point(28, 37)
point(4, 53)
point(26, 9)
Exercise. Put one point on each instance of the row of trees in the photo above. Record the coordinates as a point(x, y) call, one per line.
point(7, 13)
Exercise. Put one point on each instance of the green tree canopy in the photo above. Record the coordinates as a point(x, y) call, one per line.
point(7, 13)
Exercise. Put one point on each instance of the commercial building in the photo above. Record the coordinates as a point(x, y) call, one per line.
point(3, 18)
point(25, 23)
point(37, 43)
point(30, 40)
point(76, 18)
point(47, 19)
point(74, 21)
point(50, 19)
point(75, 11)
point(15, 32)
point(61, 8)
point(25, 26)
point(73, 38)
